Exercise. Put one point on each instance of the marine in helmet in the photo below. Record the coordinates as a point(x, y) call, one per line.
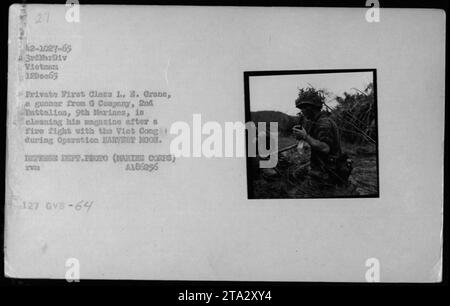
point(322, 134)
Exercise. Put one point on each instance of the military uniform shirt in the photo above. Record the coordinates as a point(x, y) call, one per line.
point(324, 129)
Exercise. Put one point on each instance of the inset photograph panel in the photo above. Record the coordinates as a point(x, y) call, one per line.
point(327, 135)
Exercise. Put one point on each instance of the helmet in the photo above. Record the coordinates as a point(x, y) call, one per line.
point(300, 103)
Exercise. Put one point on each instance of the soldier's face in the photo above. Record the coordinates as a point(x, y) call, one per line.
point(309, 112)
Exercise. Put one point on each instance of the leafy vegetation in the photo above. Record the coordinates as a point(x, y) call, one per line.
point(355, 115)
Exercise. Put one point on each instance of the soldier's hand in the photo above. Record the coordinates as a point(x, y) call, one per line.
point(299, 132)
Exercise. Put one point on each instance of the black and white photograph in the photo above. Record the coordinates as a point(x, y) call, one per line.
point(249, 145)
point(327, 133)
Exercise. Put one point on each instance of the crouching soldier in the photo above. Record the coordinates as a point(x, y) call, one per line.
point(329, 169)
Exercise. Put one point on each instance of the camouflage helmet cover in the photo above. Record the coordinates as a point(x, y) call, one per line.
point(299, 103)
point(309, 96)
